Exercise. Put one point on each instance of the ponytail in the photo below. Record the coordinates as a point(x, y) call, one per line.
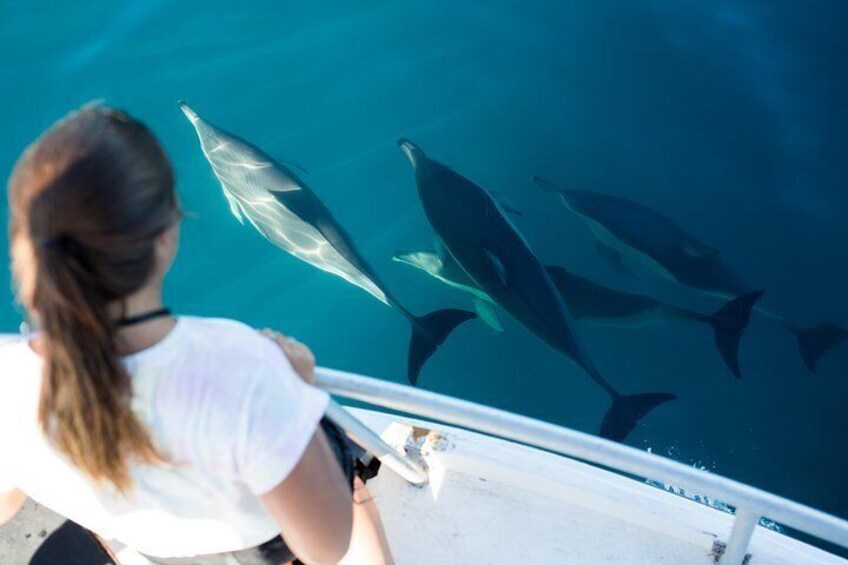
point(86, 393)
point(87, 201)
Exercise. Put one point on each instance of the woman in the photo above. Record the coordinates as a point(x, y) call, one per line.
point(179, 437)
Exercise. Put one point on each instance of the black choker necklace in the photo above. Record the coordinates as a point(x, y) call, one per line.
point(143, 317)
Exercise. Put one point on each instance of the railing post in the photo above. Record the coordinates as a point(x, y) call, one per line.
point(374, 444)
point(740, 536)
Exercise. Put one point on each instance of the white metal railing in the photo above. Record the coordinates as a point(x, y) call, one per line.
point(750, 503)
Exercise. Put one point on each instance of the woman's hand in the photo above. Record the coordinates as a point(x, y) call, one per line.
point(300, 356)
point(10, 503)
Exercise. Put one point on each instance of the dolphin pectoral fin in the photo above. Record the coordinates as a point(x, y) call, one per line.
point(505, 204)
point(497, 265)
point(697, 250)
point(729, 323)
point(615, 260)
point(487, 313)
point(814, 342)
point(235, 207)
point(284, 186)
point(546, 185)
point(626, 411)
point(511, 210)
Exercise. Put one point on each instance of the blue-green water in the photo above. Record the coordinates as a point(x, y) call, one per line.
point(728, 117)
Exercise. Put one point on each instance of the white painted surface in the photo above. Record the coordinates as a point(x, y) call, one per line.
point(492, 501)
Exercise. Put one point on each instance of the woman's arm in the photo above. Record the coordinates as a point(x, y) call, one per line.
point(10, 503)
point(314, 506)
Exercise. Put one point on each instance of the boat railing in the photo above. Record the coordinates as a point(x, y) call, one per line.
point(750, 503)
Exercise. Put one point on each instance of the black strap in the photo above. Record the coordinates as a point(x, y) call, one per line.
point(143, 317)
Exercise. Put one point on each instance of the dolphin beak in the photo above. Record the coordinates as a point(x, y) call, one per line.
point(189, 113)
point(412, 152)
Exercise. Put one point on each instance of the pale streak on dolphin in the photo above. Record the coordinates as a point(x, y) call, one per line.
point(639, 231)
point(287, 213)
point(494, 254)
point(446, 271)
point(594, 304)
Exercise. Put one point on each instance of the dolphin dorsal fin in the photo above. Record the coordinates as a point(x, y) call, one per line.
point(497, 265)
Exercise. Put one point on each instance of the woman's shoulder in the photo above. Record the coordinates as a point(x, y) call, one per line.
point(218, 326)
point(216, 365)
point(229, 339)
point(20, 368)
point(14, 352)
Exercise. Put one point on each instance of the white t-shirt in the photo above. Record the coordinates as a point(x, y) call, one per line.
point(222, 403)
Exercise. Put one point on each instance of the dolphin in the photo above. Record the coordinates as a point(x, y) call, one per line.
point(594, 304)
point(492, 252)
point(637, 230)
point(274, 199)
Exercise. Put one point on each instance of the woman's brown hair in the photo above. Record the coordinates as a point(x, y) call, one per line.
point(87, 201)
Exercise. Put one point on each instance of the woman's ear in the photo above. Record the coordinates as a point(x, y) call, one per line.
point(166, 246)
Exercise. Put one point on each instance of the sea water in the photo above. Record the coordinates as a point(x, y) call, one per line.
point(728, 117)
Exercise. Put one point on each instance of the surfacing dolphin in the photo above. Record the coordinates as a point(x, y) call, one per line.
point(594, 304)
point(288, 214)
point(636, 230)
point(493, 253)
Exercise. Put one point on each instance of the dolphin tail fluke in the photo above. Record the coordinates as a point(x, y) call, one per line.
point(627, 410)
point(729, 323)
point(428, 333)
point(814, 342)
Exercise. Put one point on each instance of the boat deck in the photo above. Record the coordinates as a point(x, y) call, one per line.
point(493, 501)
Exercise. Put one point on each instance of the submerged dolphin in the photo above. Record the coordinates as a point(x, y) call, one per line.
point(447, 271)
point(480, 238)
point(595, 304)
point(637, 230)
point(288, 214)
